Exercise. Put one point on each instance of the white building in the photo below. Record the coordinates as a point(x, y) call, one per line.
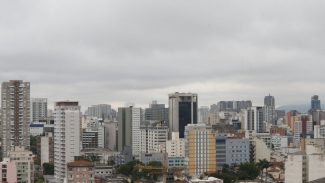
point(47, 148)
point(294, 166)
point(254, 119)
point(319, 130)
point(153, 137)
point(38, 109)
point(279, 142)
point(67, 118)
point(307, 165)
point(176, 146)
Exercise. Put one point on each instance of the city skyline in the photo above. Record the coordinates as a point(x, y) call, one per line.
point(116, 52)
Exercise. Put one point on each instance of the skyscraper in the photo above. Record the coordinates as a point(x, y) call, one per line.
point(315, 103)
point(269, 109)
point(182, 111)
point(156, 112)
point(129, 120)
point(38, 109)
point(15, 118)
point(67, 124)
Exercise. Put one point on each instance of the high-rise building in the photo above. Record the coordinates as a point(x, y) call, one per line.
point(254, 119)
point(156, 112)
point(315, 103)
point(203, 114)
point(153, 137)
point(182, 111)
point(15, 118)
point(269, 109)
point(38, 110)
point(67, 124)
point(103, 111)
point(200, 149)
point(129, 120)
point(110, 136)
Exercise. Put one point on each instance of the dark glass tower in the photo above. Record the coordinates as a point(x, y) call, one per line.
point(182, 111)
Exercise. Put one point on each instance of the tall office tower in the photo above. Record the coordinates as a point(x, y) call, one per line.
point(156, 112)
point(269, 109)
point(38, 110)
point(254, 119)
point(200, 149)
point(103, 111)
point(15, 117)
point(182, 111)
point(203, 114)
point(67, 124)
point(315, 103)
point(153, 136)
point(129, 120)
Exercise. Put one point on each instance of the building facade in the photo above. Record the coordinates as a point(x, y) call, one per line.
point(129, 121)
point(81, 171)
point(24, 161)
point(15, 118)
point(254, 119)
point(182, 111)
point(67, 122)
point(153, 137)
point(200, 149)
point(38, 109)
point(156, 112)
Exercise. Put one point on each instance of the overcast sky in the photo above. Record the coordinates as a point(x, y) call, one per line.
point(136, 51)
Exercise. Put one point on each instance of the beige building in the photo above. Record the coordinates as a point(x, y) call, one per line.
point(24, 163)
point(200, 149)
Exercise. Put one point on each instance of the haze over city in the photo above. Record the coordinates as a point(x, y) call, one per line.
point(137, 51)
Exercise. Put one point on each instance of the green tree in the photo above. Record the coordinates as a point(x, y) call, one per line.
point(248, 171)
point(33, 144)
point(155, 164)
point(263, 164)
point(48, 168)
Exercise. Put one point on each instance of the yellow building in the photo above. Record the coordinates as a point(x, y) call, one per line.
point(200, 149)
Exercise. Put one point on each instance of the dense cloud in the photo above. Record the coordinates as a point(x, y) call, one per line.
point(137, 51)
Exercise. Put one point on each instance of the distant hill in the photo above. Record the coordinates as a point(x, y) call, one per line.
point(299, 107)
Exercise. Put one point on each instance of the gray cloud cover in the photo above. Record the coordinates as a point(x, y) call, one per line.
point(137, 51)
